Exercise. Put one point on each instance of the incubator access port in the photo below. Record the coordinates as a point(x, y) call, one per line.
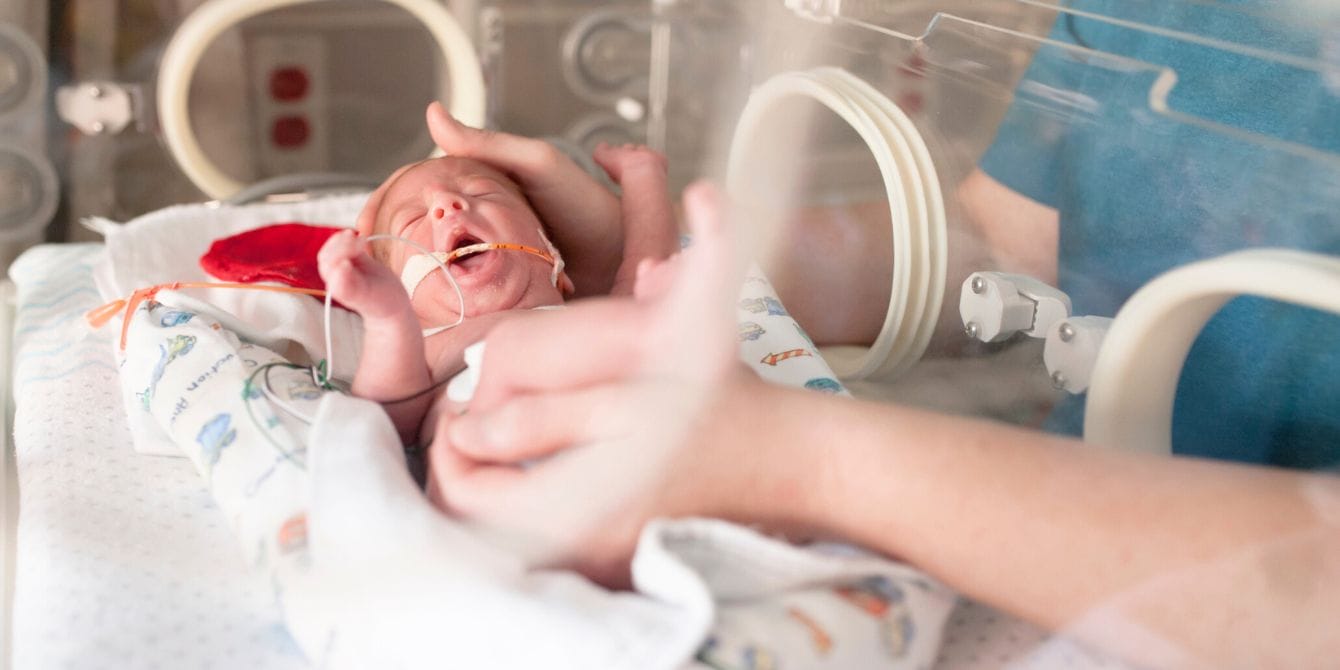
point(28, 194)
point(22, 73)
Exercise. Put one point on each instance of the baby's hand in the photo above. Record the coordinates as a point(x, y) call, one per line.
point(359, 281)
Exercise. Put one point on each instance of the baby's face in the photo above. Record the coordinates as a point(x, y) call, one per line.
point(448, 203)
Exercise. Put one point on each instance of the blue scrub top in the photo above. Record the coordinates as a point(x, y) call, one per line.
point(1139, 193)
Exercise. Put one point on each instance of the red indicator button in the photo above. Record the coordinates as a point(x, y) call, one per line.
point(290, 132)
point(288, 84)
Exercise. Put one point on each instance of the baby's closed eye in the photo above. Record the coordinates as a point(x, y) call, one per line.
point(479, 188)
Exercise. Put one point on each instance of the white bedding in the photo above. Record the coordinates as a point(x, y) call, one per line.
point(123, 559)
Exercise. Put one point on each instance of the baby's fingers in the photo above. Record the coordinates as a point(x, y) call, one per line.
point(344, 245)
point(342, 278)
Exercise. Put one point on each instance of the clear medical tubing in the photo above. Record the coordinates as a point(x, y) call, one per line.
point(916, 207)
point(211, 19)
point(1130, 401)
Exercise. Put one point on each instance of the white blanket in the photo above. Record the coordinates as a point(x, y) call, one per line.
point(165, 246)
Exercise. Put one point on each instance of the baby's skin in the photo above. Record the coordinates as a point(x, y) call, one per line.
point(445, 204)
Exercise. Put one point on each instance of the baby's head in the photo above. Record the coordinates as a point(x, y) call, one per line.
point(448, 203)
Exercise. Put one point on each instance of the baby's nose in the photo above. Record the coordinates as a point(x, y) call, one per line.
point(443, 204)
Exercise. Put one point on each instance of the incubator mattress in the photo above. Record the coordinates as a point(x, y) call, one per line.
point(124, 560)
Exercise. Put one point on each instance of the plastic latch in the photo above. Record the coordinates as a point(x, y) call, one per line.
point(996, 305)
point(1050, 304)
point(1072, 349)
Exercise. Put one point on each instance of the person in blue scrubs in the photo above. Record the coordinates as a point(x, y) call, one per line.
point(1139, 193)
point(1166, 561)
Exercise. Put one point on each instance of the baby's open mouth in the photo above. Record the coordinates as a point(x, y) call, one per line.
point(467, 253)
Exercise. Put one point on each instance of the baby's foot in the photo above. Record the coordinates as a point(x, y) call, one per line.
point(649, 228)
point(358, 281)
point(630, 162)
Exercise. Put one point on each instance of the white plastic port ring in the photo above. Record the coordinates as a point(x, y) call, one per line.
point(212, 18)
point(916, 206)
point(1130, 403)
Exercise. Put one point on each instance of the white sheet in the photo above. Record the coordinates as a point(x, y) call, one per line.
point(122, 558)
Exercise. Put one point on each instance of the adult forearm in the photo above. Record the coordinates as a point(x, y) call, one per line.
point(1223, 565)
point(592, 254)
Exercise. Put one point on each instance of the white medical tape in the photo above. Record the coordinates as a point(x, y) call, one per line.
point(212, 18)
point(417, 269)
point(558, 258)
point(461, 388)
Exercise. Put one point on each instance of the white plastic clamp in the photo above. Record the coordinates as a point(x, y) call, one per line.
point(1072, 349)
point(996, 305)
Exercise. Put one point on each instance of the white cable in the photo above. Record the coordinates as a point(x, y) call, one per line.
point(211, 19)
point(274, 398)
point(1130, 402)
point(329, 302)
point(916, 207)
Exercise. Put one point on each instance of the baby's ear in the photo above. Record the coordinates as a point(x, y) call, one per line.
point(565, 285)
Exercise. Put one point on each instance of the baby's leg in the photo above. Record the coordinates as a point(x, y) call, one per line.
point(648, 219)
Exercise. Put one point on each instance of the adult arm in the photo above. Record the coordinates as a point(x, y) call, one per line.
point(834, 265)
point(1169, 561)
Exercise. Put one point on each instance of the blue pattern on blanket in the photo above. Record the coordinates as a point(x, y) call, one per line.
point(168, 351)
point(214, 436)
point(233, 407)
point(46, 310)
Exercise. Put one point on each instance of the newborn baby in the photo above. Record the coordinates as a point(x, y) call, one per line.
point(448, 204)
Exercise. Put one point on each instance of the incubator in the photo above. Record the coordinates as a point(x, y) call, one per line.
point(1038, 212)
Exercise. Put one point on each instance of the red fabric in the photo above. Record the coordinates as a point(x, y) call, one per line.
point(279, 252)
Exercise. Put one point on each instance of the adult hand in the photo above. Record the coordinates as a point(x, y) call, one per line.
point(581, 213)
point(638, 409)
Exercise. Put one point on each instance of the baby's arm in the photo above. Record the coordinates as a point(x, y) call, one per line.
point(393, 364)
point(649, 230)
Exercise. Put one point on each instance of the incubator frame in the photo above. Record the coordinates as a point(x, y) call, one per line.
point(1145, 345)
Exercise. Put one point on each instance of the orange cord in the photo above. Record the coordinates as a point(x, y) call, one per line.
point(505, 246)
point(99, 316)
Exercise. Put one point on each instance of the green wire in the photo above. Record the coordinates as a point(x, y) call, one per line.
point(247, 390)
